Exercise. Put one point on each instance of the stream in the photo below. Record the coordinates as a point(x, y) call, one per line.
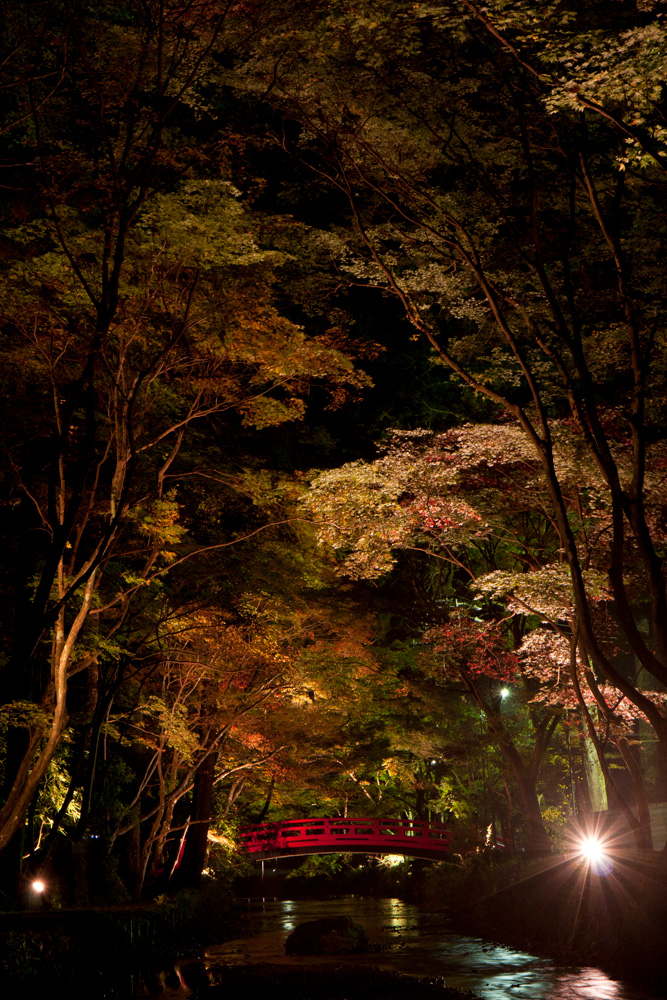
point(410, 941)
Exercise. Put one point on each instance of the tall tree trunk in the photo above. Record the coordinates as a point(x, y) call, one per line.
point(642, 831)
point(536, 838)
point(233, 794)
point(267, 802)
point(537, 842)
point(188, 873)
point(639, 824)
point(507, 820)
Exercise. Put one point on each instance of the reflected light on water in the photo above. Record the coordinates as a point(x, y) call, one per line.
point(585, 984)
point(547, 984)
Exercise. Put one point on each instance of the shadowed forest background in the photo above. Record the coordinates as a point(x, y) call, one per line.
point(333, 426)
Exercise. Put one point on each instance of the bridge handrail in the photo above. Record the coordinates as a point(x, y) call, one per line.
point(340, 830)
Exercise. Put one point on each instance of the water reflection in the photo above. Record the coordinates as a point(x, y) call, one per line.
point(414, 943)
point(588, 983)
point(500, 973)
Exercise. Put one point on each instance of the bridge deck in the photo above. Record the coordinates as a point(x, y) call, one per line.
point(357, 835)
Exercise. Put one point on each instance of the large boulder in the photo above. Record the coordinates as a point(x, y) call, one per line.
point(329, 936)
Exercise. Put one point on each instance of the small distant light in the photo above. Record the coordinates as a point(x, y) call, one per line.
point(504, 692)
point(38, 886)
point(392, 860)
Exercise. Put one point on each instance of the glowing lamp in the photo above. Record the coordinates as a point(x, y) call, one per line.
point(593, 851)
point(591, 848)
point(38, 886)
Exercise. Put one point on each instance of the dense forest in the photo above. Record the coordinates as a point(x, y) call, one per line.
point(333, 371)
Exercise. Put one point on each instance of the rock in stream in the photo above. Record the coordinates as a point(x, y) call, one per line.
point(328, 936)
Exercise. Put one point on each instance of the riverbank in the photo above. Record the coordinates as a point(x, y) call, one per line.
point(105, 951)
point(613, 917)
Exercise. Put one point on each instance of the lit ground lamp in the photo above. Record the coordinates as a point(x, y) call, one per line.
point(36, 893)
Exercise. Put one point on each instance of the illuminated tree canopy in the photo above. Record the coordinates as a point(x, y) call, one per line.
point(333, 400)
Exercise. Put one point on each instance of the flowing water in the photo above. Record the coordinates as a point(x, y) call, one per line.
point(411, 941)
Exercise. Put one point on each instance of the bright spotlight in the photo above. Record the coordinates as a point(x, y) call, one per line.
point(38, 886)
point(591, 848)
point(504, 692)
point(594, 853)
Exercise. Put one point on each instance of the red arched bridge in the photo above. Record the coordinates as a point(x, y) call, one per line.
point(292, 837)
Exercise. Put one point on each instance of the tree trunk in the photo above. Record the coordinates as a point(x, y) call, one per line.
point(188, 873)
point(507, 822)
point(536, 838)
point(642, 829)
point(265, 810)
point(233, 794)
point(640, 824)
point(537, 842)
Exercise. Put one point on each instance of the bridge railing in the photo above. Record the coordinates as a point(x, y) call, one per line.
point(383, 834)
